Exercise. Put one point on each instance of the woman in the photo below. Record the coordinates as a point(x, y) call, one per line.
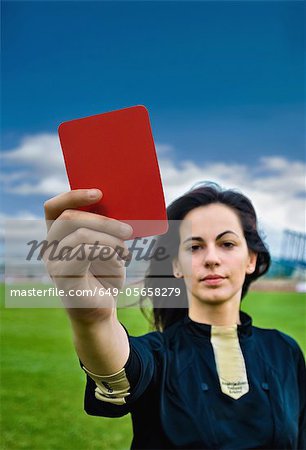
point(207, 378)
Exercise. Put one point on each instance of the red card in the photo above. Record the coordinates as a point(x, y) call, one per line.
point(115, 152)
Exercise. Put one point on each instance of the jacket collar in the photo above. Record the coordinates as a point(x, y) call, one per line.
point(202, 329)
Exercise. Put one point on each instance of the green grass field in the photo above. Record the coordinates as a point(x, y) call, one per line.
point(42, 385)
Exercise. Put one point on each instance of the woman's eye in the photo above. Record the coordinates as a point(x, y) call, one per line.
point(228, 244)
point(194, 248)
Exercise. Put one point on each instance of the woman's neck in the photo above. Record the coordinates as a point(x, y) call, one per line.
point(221, 314)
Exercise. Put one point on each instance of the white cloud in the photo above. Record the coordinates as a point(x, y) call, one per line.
point(8, 178)
point(162, 149)
point(274, 184)
point(277, 163)
point(41, 169)
point(42, 151)
point(48, 186)
point(22, 214)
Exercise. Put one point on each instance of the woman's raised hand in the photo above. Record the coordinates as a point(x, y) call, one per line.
point(86, 252)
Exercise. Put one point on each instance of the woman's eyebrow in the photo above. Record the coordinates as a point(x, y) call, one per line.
point(200, 239)
point(225, 232)
point(194, 238)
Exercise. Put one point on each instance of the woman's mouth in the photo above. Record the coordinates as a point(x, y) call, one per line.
point(212, 280)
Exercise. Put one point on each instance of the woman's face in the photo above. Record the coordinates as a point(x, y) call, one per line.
point(213, 256)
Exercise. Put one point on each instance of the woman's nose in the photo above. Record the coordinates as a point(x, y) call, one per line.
point(211, 257)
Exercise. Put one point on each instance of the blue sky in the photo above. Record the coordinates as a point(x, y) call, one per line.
point(223, 82)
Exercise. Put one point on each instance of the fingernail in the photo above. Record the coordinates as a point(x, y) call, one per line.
point(127, 230)
point(93, 193)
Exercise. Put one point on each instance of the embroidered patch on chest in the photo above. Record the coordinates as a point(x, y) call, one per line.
point(229, 361)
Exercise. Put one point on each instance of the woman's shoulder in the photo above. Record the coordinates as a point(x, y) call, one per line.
point(275, 334)
point(274, 339)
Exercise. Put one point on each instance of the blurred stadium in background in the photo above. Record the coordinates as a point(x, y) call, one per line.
point(287, 272)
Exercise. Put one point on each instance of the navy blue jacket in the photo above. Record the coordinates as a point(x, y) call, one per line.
point(176, 401)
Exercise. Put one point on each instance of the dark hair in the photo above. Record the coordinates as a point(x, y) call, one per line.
point(160, 273)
